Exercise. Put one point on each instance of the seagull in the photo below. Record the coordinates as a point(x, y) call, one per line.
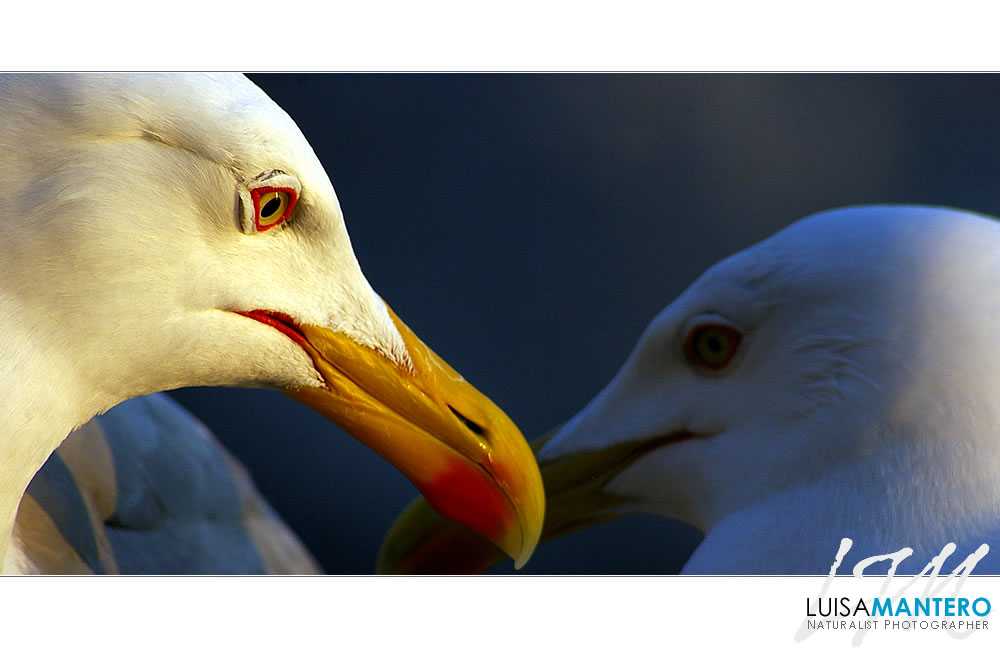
point(147, 489)
point(837, 381)
point(160, 231)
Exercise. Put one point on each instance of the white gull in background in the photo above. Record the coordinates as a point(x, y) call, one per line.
point(838, 380)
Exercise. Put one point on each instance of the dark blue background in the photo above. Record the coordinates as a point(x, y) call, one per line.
point(528, 227)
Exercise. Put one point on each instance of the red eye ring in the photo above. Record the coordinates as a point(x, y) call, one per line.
point(712, 345)
point(256, 194)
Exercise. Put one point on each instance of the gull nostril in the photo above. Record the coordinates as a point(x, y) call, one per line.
point(470, 425)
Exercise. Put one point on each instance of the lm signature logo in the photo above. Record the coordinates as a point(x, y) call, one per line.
point(930, 574)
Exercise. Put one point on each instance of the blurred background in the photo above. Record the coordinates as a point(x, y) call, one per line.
point(528, 227)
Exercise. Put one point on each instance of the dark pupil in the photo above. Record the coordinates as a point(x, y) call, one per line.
point(714, 344)
point(270, 207)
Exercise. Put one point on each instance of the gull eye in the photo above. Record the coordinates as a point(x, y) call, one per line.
point(271, 206)
point(712, 346)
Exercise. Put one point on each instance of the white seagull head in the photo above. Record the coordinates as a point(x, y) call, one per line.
point(161, 231)
point(132, 192)
point(839, 379)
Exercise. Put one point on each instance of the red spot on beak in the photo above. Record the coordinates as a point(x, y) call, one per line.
point(466, 494)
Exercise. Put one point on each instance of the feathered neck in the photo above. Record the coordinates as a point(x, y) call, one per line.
point(41, 404)
point(917, 494)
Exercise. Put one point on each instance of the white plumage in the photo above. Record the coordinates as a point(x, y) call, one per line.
point(146, 489)
point(861, 400)
point(137, 255)
point(861, 403)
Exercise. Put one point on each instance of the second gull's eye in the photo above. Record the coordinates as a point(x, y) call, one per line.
point(712, 346)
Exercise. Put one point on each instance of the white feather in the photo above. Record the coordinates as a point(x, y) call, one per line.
point(122, 256)
point(864, 400)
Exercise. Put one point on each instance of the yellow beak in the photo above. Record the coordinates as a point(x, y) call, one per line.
point(461, 451)
point(421, 542)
